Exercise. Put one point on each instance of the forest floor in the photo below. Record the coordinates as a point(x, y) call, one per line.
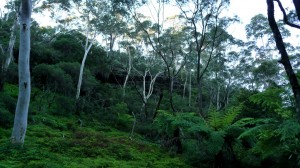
point(64, 141)
point(58, 142)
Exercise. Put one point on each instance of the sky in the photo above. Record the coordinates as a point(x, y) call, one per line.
point(244, 9)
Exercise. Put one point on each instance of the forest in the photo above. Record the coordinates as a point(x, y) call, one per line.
point(111, 85)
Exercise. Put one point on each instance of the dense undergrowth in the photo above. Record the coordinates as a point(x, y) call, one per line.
point(56, 141)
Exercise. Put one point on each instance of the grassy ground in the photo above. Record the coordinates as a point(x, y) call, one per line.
point(60, 142)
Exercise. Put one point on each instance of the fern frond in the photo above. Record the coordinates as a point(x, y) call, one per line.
point(243, 122)
point(289, 129)
point(230, 116)
point(215, 119)
point(252, 132)
point(215, 142)
point(270, 98)
point(199, 128)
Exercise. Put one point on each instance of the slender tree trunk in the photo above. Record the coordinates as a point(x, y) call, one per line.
point(190, 90)
point(184, 86)
point(20, 121)
point(128, 72)
point(86, 51)
point(171, 93)
point(7, 55)
point(2, 80)
point(285, 61)
point(218, 98)
point(10, 56)
point(200, 106)
point(161, 94)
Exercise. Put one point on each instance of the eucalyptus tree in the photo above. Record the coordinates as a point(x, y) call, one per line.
point(20, 121)
point(203, 16)
point(90, 34)
point(9, 25)
point(170, 44)
point(148, 67)
point(285, 60)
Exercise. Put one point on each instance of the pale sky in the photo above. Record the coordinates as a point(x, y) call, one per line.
point(244, 9)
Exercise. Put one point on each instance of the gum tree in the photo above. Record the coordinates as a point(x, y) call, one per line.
point(20, 121)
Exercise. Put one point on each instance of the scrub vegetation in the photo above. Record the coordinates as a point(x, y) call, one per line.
point(149, 93)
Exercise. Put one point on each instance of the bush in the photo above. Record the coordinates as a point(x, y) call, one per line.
point(119, 116)
point(53, 78)
point(64, 106)
point(6, 118)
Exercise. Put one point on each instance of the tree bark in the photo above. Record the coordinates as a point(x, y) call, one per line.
point(285, 61)
point(171, 94)
point(161, 94)
point(190, 90)
point(128, 72)
point(87, 49)
point(20, 121)
point(297, 7)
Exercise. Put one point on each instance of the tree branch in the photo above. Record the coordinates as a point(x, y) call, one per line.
point(285, 18)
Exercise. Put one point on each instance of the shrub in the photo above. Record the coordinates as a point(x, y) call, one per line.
point(53, 78)
point(6, 118)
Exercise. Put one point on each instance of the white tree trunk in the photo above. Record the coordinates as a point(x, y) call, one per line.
point(9, 55)
point(128, 72)
point(20, 121)
point(87, 48)
point(184, 86)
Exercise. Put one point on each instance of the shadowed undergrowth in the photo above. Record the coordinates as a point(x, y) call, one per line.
point(61, 142)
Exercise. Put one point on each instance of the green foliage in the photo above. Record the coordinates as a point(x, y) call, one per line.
point(52, 78)
point(214, 143)
point(270, 98)
point(51, 143)
point(6, 118)
point(218, 121)
point(273, 139)
point(119, 116)
point(7, 105)
point(69, 46)
point(203, 139)
point(289, 130)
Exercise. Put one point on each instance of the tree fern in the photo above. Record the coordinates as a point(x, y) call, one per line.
point(215, 142)
point(289, 130)
point(270, 98)
point(215, 119)
point(230, 116)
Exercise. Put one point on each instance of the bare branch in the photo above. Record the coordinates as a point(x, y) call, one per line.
point(285, 18)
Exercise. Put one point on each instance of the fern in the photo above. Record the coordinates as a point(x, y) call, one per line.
point(289, 130)
point(270, 98)
point(215, 119)
point(258, 126)
point(200, 128)
point(163, 122)
point(243, 122)
point(230, 116)
point(215, 142)
point(221, 121)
